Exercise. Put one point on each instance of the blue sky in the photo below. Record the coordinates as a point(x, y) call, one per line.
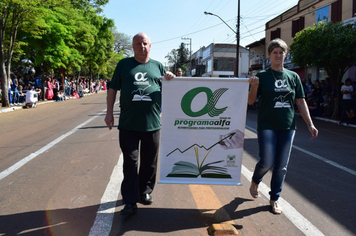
point(167, 21)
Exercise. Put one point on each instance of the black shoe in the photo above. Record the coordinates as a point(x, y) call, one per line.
point(146, 199)
point(129, 209)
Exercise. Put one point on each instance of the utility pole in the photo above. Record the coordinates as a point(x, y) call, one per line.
point(190, 57)
point(238, 40)
point(237, 32)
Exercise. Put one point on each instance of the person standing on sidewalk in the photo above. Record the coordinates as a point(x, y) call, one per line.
point(346, 91)
point(137, 78)
point(278, 90)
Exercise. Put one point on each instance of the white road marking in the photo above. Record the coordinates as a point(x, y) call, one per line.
point(318, 157)
point(326, 160)
point(30, 157)
point(105, 216)
point(289, 211)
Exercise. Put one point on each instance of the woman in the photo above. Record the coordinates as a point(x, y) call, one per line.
point(49, 91)
point(278, 90)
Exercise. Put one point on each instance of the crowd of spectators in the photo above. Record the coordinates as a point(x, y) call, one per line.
point(48, 87)
point(320, 97)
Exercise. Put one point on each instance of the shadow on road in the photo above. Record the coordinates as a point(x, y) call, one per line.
point(165, 220)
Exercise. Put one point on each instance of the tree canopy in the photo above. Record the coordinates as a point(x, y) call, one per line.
point(57, 36)
point(331, 46)
point(178, 58)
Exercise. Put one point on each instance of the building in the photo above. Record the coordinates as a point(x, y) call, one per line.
point(257, 55)
point(219, 60)
point(303, 15)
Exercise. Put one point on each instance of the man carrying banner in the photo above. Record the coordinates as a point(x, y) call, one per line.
point(137, 78)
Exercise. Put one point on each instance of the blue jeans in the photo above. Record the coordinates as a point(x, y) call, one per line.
point(275, 148)
point(15, 96)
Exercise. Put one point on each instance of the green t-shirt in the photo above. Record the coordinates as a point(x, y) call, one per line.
point(277, 92)
point(140, 94)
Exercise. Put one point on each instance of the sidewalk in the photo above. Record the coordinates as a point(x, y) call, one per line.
point(14, 108)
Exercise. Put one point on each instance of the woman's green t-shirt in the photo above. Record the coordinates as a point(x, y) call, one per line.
point(277, 92)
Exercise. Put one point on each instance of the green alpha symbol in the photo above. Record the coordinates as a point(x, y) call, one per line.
point(209, 108)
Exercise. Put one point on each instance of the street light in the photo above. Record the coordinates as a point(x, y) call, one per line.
point(190, 65)
point(237, 35)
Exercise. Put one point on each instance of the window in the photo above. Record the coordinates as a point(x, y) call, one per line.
point(336, 11)
point(276, 33)
point(297, 25)
point(224, 64)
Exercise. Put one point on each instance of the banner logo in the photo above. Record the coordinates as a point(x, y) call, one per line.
point(209, 108)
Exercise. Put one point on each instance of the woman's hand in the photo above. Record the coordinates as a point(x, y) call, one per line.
point(254, 80)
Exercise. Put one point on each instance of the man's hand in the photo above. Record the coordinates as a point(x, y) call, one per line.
point(109, 120)
point(169, 75)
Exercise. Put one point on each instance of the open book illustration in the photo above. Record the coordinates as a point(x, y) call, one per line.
point(191, 170)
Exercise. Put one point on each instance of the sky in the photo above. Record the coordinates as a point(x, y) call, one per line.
point(168, 21)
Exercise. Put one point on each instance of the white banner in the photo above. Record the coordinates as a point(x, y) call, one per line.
point(203, 125)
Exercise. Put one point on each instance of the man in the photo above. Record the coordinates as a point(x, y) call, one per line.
point(137, 78)
point(32, 97)
point(38, 85)
point(179, 72)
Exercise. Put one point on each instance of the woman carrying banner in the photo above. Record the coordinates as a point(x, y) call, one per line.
point(278, 91)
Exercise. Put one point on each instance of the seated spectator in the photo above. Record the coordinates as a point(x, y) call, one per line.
point(314, 108)
point(310, 95)
point(22, 95)
point(350, 119)
point(327, 105)
point(59, 96)
point(75, 94)
point(353, 95)
point(32, 97)
point(318, 90)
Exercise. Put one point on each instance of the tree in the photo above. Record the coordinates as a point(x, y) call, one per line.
point(123, 43)
point(96, 60)
point(331, 46)
point(173, 59)
point(88, 5)
point(183, 56)
point(178, 58)
point(13, 13)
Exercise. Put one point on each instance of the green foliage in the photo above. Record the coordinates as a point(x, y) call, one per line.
point(89, 5)
point(331, 46)
point(123, 43)
point(172, 58)
point(183, 55)
point(56, 34)
point(178, 58)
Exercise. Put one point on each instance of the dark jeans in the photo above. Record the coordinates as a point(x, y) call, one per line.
point(134, 144)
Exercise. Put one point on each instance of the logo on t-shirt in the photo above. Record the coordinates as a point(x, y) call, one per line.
point(140, 95)
point(141, 79)
point(280, 86)
point(281, 101)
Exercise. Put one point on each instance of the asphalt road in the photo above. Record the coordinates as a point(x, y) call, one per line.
point(60, 174)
